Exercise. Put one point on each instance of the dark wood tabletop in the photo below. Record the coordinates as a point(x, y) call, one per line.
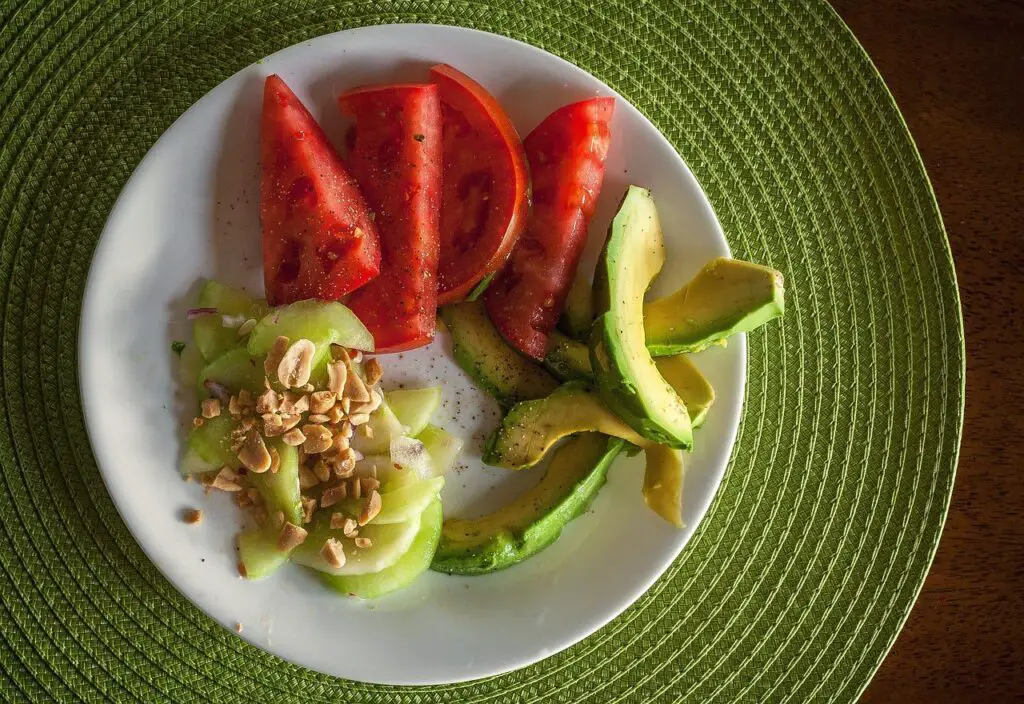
point(956, 68)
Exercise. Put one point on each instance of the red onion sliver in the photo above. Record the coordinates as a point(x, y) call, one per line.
point(194, 313)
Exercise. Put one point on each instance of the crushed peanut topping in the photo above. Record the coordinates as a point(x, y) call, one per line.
point(318, 418)
point(363, 543)
point(211, 407)
point(293, 437)
point(321, 401)
point(226, 480)
point(197, 422)
point(350, 528)
point(308, 507)
point(318, 439)
point(373, 371)
point(193, 516)
point(290, 537)
point(333, 495)
point(275, 355)
point(296, 365)
point(371, 507)
point(333, 553)
point(322, 471)
point(337, 377)
point(307, 479)
point(338, 520)
point(355, 389)
point(267, 402)
point(254, 454)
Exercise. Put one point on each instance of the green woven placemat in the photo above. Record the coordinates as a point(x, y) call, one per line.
point(802, 573)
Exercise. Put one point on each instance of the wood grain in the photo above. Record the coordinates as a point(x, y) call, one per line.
point(957, 72)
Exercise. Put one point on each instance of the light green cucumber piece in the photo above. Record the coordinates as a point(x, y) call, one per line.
point(193, 463)
point(389, 542)
point(236, 370)
point(414, 407)
point(402, 573)
point(383, 426)
point(400, 500)
point(211, 441)
point(257, 550)
point(212, 337)
point(442, 446)
point(280, 489)
point(320, 322)
point(190, 365)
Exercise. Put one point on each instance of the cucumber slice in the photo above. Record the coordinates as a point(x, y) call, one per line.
point(193, 463)
point(401, 500)
point(211, 441)
point(212, 338)
point(280, 489)
point(414, 407)
point(190, 366)
point(321, 322)
point(411, 565)
point(442, 446)
point(236, 370)
point(390, 542)
point(257, 550)
point(383, 427)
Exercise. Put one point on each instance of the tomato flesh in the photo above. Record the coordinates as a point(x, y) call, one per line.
point(485, 192)
point(319, 240)
point(566, 153)
point(396, 158)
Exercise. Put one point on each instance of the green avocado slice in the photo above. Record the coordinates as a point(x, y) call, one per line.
point(531, 428)
point(534, 521)
point(481, 351)
point(569, 360)
point(726, 297)
point(627, 378)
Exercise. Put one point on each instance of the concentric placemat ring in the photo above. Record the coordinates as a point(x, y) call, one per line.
point(806, 565)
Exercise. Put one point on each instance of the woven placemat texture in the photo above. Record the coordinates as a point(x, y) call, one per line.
point(803, 572)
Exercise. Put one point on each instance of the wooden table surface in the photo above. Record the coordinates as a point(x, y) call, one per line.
point(956, 69)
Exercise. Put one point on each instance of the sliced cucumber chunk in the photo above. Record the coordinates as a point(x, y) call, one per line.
point(401, 500)
point(414, 407)
point(382, 428)
point(193, 463)
point(212, 337)
point(402, 573)
point(212, 441)
point(321, 322)
point(236, 370)
point(442, 446)
point(190, 365)
point(389, 543)
point(280, 489)
point(257, 550)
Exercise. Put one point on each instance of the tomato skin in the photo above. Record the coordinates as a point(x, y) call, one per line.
point(319, 240)
point(396, 157)
point(486, 185)
point(566, 153)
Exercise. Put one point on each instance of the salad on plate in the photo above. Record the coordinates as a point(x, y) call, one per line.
point(435, 212)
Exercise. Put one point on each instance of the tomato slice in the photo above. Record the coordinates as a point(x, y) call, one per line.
point(396, 157)
point(566, 153)
point(319, 240)
point(486, 186)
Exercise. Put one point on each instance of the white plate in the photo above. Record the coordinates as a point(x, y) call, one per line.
point(190, 211)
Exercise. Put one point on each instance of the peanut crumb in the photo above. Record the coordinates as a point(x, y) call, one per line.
point(193, 516)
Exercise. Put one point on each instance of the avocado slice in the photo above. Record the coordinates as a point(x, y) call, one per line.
point(726, 297)
point(482, 353)
point(627, 377)
point(578, 314)
point(530, 428)
point(569, 360)
point(529, 524)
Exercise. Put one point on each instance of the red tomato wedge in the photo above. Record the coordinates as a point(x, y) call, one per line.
point(566, 153)
point(486, 191)
point(396, 157)
point(319, 239)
